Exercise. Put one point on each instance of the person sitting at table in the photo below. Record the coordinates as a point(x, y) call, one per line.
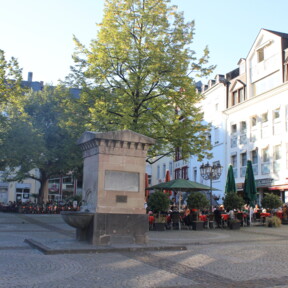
point(151, 219)
point(245, 208)
point(205, 212)
point(231, 214)
point(186, 217)
point(217, 216)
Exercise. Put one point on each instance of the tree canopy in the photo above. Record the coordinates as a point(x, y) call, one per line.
point(197, 200)
point(41, 137)
point(137, 74)
point(11, 91)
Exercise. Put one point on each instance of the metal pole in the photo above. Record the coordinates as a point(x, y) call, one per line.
point(211, 208)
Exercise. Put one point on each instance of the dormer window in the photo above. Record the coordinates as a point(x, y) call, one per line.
point(260, 50)
point(260, 55)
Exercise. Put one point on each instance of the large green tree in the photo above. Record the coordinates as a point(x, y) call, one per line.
point(137, 74)
point(11, 91)
point(41, 140)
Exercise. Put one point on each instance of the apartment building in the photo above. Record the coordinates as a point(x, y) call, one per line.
point(248, 112)
point(257, 115)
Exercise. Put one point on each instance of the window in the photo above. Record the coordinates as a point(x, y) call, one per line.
point(209, 138)
point(234, 98)
point(277, 152)
point(177, 173)
point(254, 156)
point(276, 114)
point(243, 130)
point(234, 164)
point(276, 159)
point(54, 186)
point(265, 155)
point(234, 129)
point(22, 194)
point(254, 159)
point(253, 121)
point(170, 167)
point(185, 173)
point(234, 160)
point(243, 159)
point(158, 172)
point(260, 55)
point(164, 171)
point(241, 95)
point(178, 155)
point(195, 174)
point(243, 127)
point(264, 117)
point(265, 166)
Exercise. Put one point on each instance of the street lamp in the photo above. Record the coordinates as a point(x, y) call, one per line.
point(212, 173)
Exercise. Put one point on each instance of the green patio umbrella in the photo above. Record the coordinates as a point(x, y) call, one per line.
point(181, 185)
point(230, 186)
point(249, 190)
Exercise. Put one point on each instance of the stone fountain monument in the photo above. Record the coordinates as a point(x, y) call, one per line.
point(113, 188)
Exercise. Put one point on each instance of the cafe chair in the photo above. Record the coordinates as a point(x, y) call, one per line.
point(211, 221)
point(240, 217)
point(175, 221)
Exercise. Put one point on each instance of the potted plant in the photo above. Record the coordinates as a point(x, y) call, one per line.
point(231, 202)
point(158, 202)
point(273, 221)
point(271, 201)
point(197, 201)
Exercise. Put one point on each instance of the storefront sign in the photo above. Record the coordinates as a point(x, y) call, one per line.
point(264, 182)
point(239, 186)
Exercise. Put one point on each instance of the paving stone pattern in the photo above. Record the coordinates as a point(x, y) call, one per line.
point(252, 257)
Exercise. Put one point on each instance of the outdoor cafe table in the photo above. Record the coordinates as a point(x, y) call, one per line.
point(279, 214)
point(264, 215)
point(225, 218)
point(203, 218)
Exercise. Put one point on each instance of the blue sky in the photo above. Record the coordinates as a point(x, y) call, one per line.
point(39, 32)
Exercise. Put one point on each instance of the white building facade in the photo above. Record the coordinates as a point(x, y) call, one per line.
point(248, 113)
point(257, 116)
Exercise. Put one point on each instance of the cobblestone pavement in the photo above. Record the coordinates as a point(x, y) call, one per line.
point(252, 257)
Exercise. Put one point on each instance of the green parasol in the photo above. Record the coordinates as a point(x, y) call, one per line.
point(230, 186)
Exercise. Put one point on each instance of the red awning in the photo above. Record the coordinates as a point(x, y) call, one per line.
point(280, 187)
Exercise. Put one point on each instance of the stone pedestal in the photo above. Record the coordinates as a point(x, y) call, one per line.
point(114, 186)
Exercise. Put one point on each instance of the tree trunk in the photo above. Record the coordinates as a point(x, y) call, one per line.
point(43, 190)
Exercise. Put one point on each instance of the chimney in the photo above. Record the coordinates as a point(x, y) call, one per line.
point(30, 76)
